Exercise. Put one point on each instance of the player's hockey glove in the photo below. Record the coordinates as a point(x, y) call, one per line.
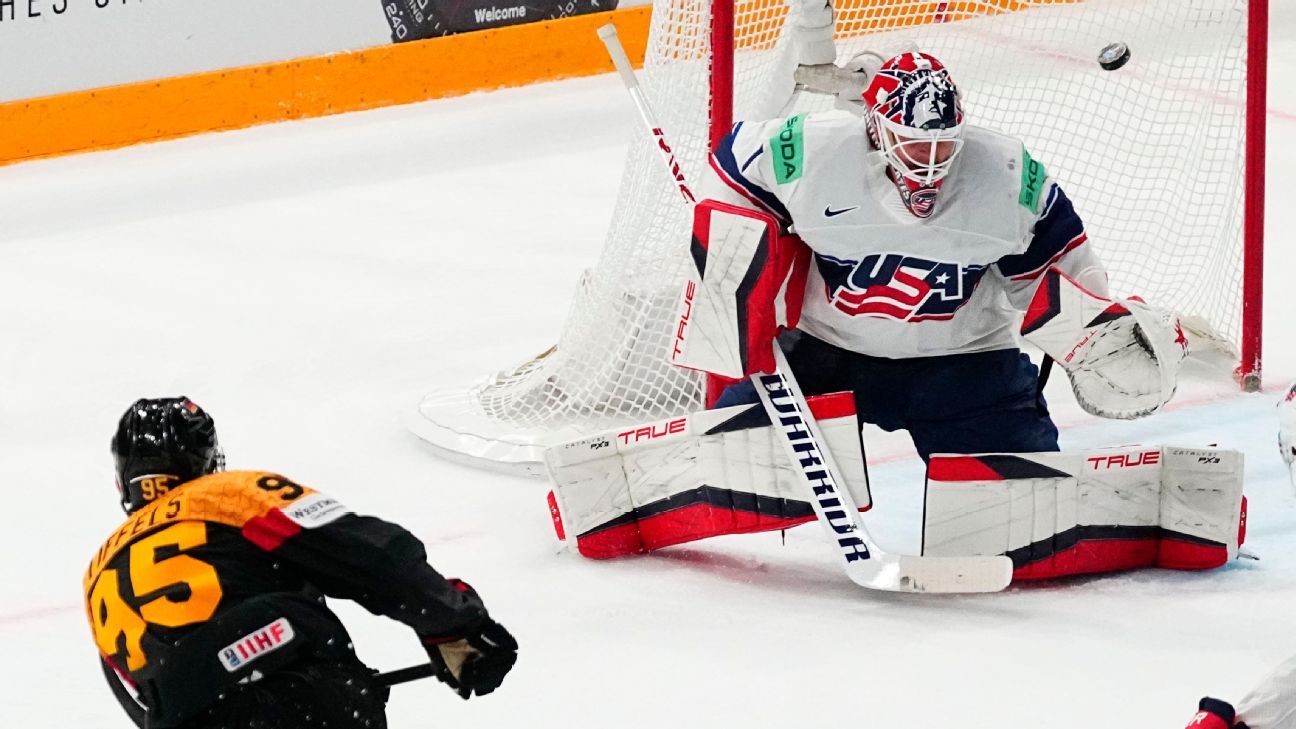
point(1215, 714)
point(473, 661)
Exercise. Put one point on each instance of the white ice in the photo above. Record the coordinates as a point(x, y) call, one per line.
point(306, 282)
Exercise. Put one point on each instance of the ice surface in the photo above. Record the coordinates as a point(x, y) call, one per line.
point(306, 282)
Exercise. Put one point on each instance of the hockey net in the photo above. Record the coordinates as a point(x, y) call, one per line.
point(1151, 153)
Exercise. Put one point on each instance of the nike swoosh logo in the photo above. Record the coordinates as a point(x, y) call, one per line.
point(829, 212)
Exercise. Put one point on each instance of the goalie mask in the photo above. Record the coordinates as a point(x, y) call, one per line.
point(915, 118)
point(159, 445)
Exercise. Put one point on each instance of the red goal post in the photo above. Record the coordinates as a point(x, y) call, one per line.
point(1253, 234)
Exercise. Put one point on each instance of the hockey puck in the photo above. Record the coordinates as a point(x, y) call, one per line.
point(1113, 56)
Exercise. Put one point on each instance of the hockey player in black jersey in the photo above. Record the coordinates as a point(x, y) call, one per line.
point(207, 604)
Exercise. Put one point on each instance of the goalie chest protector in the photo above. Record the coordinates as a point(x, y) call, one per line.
point(883, 281)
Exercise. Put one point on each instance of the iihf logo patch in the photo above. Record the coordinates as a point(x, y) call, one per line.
point(256, 644)
point(231, 659)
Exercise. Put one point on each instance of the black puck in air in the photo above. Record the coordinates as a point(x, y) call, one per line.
point(1113, 56)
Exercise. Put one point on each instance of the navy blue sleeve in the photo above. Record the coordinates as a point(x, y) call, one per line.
point(737, 173)
point(1058, 231)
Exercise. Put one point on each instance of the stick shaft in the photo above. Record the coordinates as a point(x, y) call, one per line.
point(609, 37)
point(405, 675)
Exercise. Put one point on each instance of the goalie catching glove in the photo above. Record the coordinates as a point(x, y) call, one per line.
point(1122, 356)
point(474, 661)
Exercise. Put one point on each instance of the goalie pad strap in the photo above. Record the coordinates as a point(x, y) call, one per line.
point(747, 283)
point(702, 475)
point(1060, 514)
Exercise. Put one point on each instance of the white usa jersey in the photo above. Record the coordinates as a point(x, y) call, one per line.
point(1271, 704)
point(884, 282)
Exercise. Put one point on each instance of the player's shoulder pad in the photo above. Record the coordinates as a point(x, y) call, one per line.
point(797, 142)
point(790, 134)
point(835, 123)
point(237, 497)
point(261, 501)
point(1004, 146)
point(1006, 157)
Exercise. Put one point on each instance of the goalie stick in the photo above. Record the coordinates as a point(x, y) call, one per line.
point(865, 562)
point(608, 35)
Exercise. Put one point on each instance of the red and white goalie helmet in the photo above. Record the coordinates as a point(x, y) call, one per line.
point(915, 119)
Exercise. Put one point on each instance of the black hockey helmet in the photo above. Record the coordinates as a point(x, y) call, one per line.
point(160, 444)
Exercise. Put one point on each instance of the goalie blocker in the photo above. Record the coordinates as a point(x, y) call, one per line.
point(1058, 514)
point(749, 284)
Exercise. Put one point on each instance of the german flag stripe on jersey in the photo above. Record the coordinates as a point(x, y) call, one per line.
point(248, 500)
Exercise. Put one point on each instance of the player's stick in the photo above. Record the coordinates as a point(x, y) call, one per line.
point(608, 35)
point(405, 675)
point(864, 561)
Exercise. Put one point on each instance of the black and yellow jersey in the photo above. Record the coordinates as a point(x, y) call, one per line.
point(219, 580)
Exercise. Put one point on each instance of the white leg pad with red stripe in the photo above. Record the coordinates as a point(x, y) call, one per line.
point(701, 475)
point(1060, 514)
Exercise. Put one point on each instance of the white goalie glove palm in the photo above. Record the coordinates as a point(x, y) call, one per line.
point(1128, 369)
point(1123, 356)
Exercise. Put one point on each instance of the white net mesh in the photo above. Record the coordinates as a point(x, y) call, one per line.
point(1150, 153)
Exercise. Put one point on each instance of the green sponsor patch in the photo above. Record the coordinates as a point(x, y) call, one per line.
point(789, 150)
point(1032, 180)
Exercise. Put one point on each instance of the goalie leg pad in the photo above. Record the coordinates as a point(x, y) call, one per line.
point(1058, 514)
point(702, 475)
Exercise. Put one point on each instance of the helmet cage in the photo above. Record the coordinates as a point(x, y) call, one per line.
point(904, 149)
